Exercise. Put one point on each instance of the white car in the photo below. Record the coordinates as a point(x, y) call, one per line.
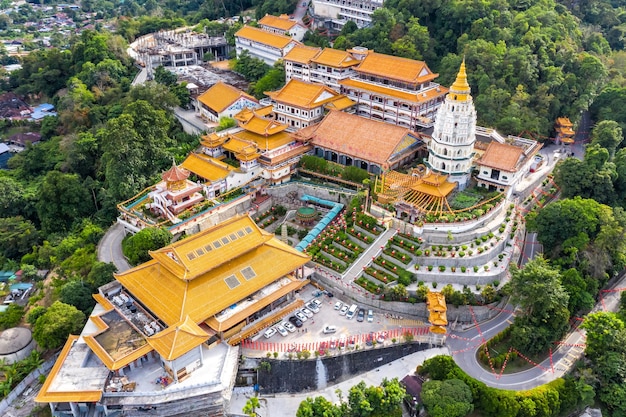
point(315, 309)
point(281, 330)
point(301, 316)
point(343, 310)
point(269, 332)
point(307, 312)
point(317, 303)
point(290, 327)
point(370, 316)
point(329, 329)
point(338, 305)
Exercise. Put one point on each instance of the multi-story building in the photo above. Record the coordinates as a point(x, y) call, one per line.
point(300, 104)
point(223, 100)
point(283, 25)
point(162, 338)
point(267, 46)
point(395, 90)
point(451, 149)
point(334, 14)
point(391, 89)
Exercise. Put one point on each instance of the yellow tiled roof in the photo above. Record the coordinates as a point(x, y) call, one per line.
point(244, 149)
point(278, 22)
point(265, 142)
point(564, 121)
point(436, 301)
point(212, 140)
point(178, 339)
point(335, 58)
point(222, 95)
point(357, 136)
point(417, 97)
point(246, 114)
point(263, 37)
point(206, 167)
point(173, 289)
point(263, 126)
point(304, 95)
point(46, 395)
point(341, 104)
point(302, 54)
point(397, 68)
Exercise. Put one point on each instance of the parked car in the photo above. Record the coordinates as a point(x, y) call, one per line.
point(338, 305)
point(269, 332)
point(329, 329)
point(315, 309)
point(290, 327)
point(281, 330)
point(295, 321)
point(307, 312)
point(370, 316)
point(381, 337)
point(343, 310)
point(333, 343)
point(301, 316)
point(317, 303)
point(361, 315)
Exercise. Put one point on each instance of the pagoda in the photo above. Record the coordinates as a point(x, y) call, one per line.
point(175, 193)
point(451, 149)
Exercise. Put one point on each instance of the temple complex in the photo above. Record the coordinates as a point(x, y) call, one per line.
point(162, 337)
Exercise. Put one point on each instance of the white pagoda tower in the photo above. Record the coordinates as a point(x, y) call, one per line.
point(451, 149)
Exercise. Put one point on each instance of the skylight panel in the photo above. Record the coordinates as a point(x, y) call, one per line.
point(217, 244)
point(225, 240)
point(241, 233)
point(248, 273)
point(233, 236)
point(248, 229)
point(232, 282)
point(191, 256)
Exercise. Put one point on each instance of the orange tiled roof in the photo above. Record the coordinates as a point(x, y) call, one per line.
point(401, 69)
point(501, 156)
point(335, 58)
point(175, 174)
point(264, 37)
point(178, 339)
point(416, 97)
point(302, 54)
point(175, 283)
point(304, 95)
point(341, 104)
point(279, 22)
point(357, 136)
point(564, 121)
point(222, 95)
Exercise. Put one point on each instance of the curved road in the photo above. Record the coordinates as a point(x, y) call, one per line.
point(110, 248)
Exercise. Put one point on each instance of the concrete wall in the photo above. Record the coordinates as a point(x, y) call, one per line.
point(281, 194)
point(302, 375)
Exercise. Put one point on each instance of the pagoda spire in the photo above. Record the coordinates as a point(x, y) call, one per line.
point(460, 90)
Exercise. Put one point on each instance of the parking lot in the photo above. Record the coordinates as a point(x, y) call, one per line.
point(311, 335)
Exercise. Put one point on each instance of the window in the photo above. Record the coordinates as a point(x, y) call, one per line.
point(199, 251)
point(248, 229)
point(217, 244)
point(241, 233)
point(248, 273)
point(191, 256)
point(225, 240)
point(208, 248)
point(233, 236)
point(232, 281)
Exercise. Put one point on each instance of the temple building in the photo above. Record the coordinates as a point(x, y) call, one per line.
point(334, 14)
point(300, 104)
point(451, 149)
point(223, 100)
point(283, 25)
point(564, 131)
point(266, 46)
point(323, 66)
point(162, 339)
point(356, 141)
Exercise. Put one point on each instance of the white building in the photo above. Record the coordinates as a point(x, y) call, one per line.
point(283, 25)
point(451, 149)
point(336, 13)
point(267, 46)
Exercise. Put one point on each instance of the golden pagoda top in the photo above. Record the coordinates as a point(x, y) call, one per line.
point(460, 90)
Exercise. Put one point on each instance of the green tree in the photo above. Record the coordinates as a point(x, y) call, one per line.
point(253, 69)
point(164, 76)
point(273, 80)
point(318, 407)
point(450, 398)
point(136, 247)
point(34, 314)
point(58, 322)
point(77, 294)
point(12, 316)
point(101, 273)
point(62, 201)
point(251, 406)
point(607, 134)
point(605, 332)
point(17, 237)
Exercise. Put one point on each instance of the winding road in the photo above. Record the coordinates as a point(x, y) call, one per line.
point(110, 248)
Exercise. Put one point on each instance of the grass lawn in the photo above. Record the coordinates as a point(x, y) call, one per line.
point(465, 199)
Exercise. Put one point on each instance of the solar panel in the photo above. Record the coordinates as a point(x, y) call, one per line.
point(248, 273)
point(231, 281)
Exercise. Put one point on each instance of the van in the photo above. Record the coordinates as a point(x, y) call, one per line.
point(352, 311)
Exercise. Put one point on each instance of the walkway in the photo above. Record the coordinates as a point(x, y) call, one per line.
point(366, 257)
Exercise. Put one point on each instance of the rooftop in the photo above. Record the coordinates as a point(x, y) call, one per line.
point(357, 136)
point(502, 156)
point(302, 54)
point(281, 22)
point(263, 37)
point(207, 167)
point(335, 58)
point(222, 95)
point(303, 94)
point(397, 68)
point(415, 97)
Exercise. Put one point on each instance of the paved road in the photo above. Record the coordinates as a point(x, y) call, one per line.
point(531, 248)
point(110, 248)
